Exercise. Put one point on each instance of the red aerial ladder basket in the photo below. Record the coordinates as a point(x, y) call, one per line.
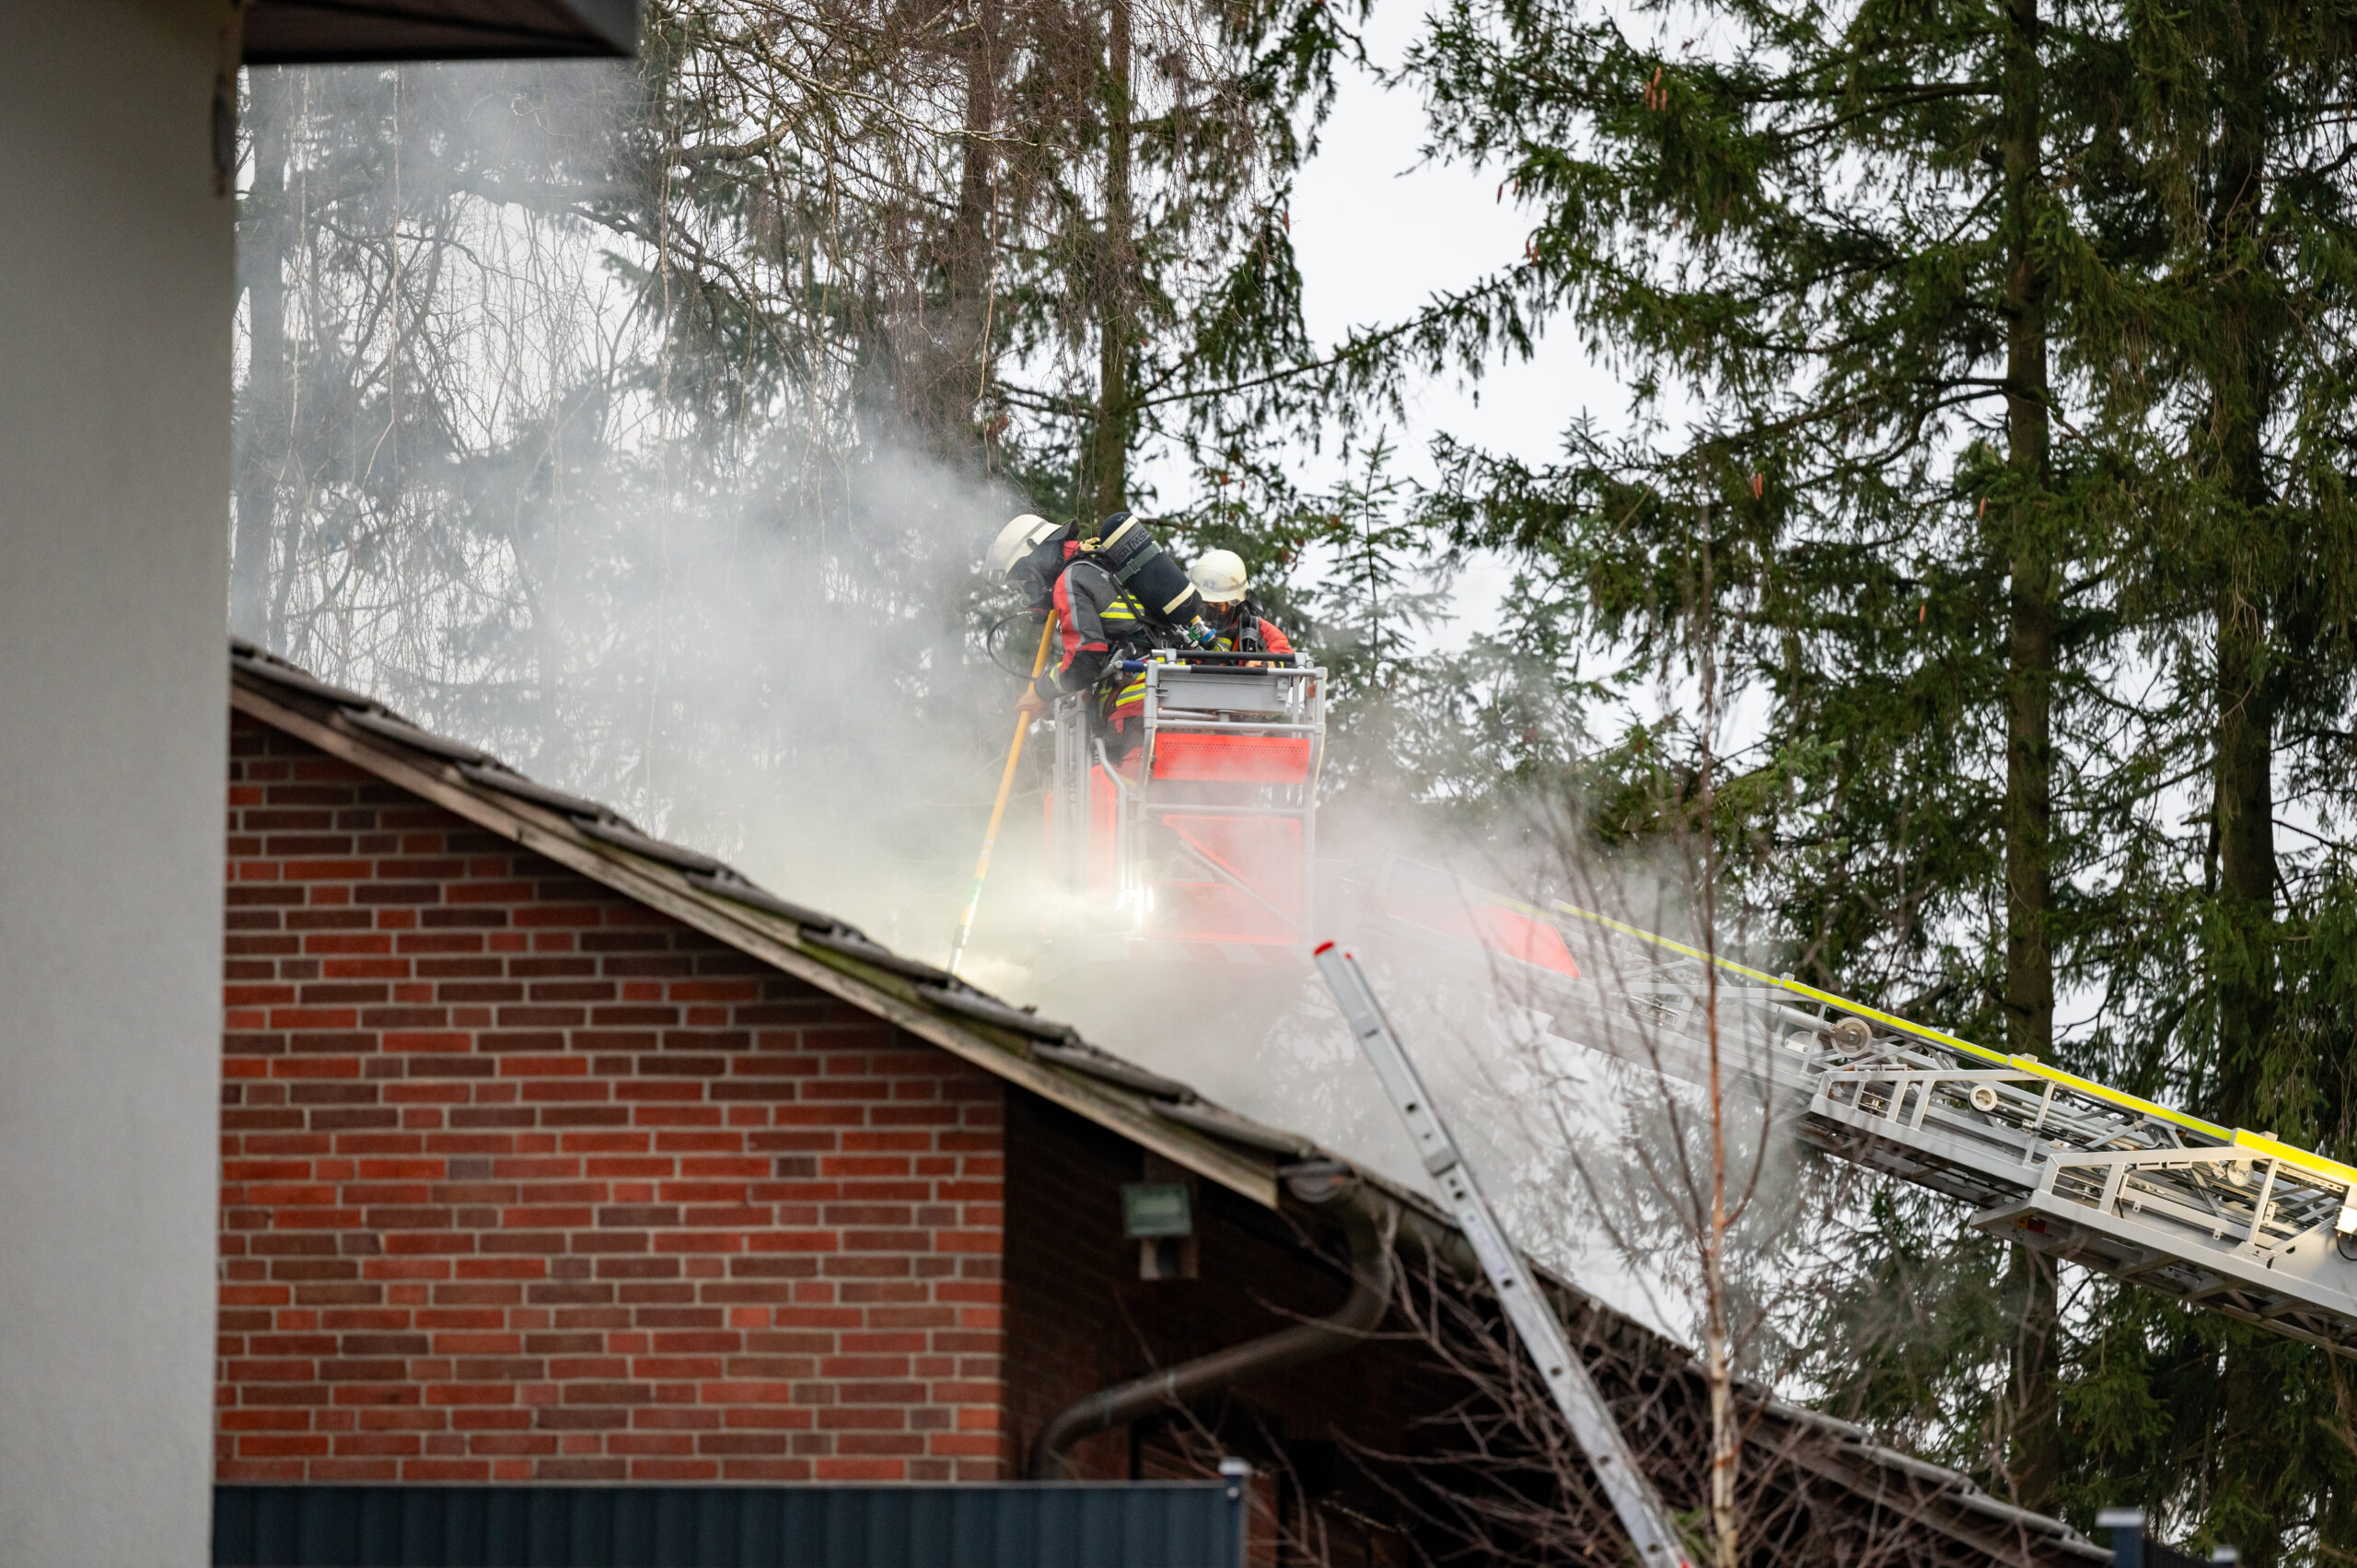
point(1181, 757)
point(1205, 837)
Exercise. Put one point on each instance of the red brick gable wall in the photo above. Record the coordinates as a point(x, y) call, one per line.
point(524, 1182)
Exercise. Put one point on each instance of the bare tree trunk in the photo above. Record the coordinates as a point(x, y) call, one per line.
point(1718, 1347)
point(2033, 607)
point(1718, 1333)
point(263, 240)
point(956, 376)
point(1108, 455)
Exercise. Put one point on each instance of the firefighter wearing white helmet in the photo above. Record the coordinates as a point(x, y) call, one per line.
point(1016, 543)
point(1219, 576)
point(1098, 622)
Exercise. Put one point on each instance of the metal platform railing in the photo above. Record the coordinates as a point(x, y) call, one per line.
point(1209, 832)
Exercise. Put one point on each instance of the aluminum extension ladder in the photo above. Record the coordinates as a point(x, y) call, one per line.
point(1584, 1410)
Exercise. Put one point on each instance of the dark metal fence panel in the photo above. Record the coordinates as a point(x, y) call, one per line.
point(1144, 1524)
point(2131, 1548)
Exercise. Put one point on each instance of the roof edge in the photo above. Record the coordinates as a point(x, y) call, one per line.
point(1236, 1151)
point(757, 936)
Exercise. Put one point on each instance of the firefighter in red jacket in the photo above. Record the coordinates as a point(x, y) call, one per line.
point(1098, 624)
point(1219, 576)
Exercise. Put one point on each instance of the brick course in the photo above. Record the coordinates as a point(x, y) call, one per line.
point(524, 1182)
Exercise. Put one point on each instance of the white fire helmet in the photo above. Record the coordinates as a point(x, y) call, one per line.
point(1219, 576)
point(1016, 540)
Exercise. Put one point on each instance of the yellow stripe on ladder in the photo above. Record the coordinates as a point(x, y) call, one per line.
point(2262, 1147)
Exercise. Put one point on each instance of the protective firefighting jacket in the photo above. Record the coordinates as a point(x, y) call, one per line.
point(1098, 624)
point(1250, 633)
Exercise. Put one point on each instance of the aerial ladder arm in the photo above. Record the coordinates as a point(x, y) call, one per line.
point(2221, 1217)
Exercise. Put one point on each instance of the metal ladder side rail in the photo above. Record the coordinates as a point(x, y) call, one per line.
point(1667, 1052)
point(2288, 1203)
point(1852, 1131)
point(2051, 1137)
point(2199, 1181)
point(2131, 1186)
point(1630, 1492)
point(2136, 1197)
point(1989, 1093)
point(1909, 1085)
point(2011, 1111)
point(2128, 1249)
point(1967, 1182)
point(1953, 1045)
point(2296, 1288)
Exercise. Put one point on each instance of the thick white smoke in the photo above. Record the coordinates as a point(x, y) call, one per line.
point(764, 646)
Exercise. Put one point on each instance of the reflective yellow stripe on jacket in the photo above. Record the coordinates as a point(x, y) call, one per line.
point(1123, 615)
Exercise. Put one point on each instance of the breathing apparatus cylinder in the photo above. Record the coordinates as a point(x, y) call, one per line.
point(1138, 562)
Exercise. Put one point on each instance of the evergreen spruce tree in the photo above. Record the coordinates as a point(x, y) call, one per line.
point(2019, 339)
point(1841, 251)
point(2230, 983)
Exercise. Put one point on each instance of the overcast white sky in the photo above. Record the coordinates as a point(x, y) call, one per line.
point(1379, 231)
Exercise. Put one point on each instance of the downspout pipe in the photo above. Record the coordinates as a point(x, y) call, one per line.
point(1368, 1220)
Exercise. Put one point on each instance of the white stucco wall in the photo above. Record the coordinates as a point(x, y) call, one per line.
point(115, 303)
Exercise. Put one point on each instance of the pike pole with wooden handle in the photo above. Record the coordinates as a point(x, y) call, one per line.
point(998, 808)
